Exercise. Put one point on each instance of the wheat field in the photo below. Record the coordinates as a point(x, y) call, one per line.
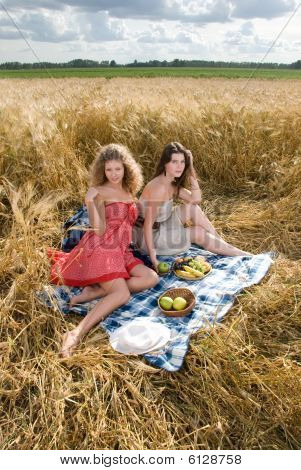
point(240, 386)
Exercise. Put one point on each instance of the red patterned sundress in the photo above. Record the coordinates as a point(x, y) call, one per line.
point(98, 259)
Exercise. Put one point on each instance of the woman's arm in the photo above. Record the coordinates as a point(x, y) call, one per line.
point(195, 190)
point(194, 196)
point(96, 210)
point(151, 209)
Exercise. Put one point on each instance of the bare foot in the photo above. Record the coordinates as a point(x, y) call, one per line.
point(247, 253)
point(70, 340)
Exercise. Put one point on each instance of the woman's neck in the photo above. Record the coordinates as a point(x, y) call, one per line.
point(116, 187)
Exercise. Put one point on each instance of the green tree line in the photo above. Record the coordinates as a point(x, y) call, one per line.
point(86, 63)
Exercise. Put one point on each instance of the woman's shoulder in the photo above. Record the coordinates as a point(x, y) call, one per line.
point(153, 188)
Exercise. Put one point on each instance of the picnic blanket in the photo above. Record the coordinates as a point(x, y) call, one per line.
point(215, 295)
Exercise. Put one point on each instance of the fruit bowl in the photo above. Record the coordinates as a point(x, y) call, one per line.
point(178, 292)
point(191, 268)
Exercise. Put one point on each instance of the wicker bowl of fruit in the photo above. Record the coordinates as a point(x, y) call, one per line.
point(191, 268)
point(177, 302)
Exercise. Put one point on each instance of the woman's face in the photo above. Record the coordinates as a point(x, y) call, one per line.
point(114, 171)
point(176, 166)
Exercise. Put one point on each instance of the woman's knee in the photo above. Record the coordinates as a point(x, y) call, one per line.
point(122, 297)
point(123, 294)
point(119, 288)
point(190, 211)
point(152, 278)
point(195, 210)
point(198, 234)
point(125, 297)
point(186, 208)
point(145, 273)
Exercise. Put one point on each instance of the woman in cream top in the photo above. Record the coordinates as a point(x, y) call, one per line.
point(161, 229)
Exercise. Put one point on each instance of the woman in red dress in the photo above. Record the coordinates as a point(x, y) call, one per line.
point(102, 262)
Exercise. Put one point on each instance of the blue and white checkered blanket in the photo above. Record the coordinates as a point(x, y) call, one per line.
point(215, 295)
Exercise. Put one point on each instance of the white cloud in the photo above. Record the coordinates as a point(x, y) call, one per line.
point(7, 33)
point(262, 8)
point(100, 27)
point(156, 34)
point(183, 10)
point(184, 37)
point(160, 33)
point(45, 27)
point(156, 10)
point(253, 46)
point(162, 29)
point(247, 28)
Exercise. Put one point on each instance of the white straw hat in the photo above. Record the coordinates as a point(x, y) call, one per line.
point(140, 336)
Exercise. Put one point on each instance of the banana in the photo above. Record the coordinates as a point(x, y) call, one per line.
point(181, 273)
point(193, 271)
point(207, 267)
point(200, 258)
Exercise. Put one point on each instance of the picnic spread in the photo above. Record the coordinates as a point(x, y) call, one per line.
point(214, 295)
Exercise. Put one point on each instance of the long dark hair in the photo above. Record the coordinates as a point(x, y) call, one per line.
point(169, 149)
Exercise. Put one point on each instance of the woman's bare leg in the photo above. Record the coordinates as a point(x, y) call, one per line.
point(141, 278)
point(88, 293)
point(214, 244)
point(194, 212)
point(117, 294)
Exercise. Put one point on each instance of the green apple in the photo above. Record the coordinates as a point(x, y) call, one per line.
point(166, 303)
point(179, 303)
point(163, 267)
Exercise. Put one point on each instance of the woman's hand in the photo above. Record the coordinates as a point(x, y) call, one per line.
point(96, 210)
point(92, 194)
point(155, 263)
point(191, 171)
point(190, 158)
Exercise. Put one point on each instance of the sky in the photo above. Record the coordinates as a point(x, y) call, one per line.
point(125, 30)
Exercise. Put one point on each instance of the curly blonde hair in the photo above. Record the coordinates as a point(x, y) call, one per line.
point(132, 180)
